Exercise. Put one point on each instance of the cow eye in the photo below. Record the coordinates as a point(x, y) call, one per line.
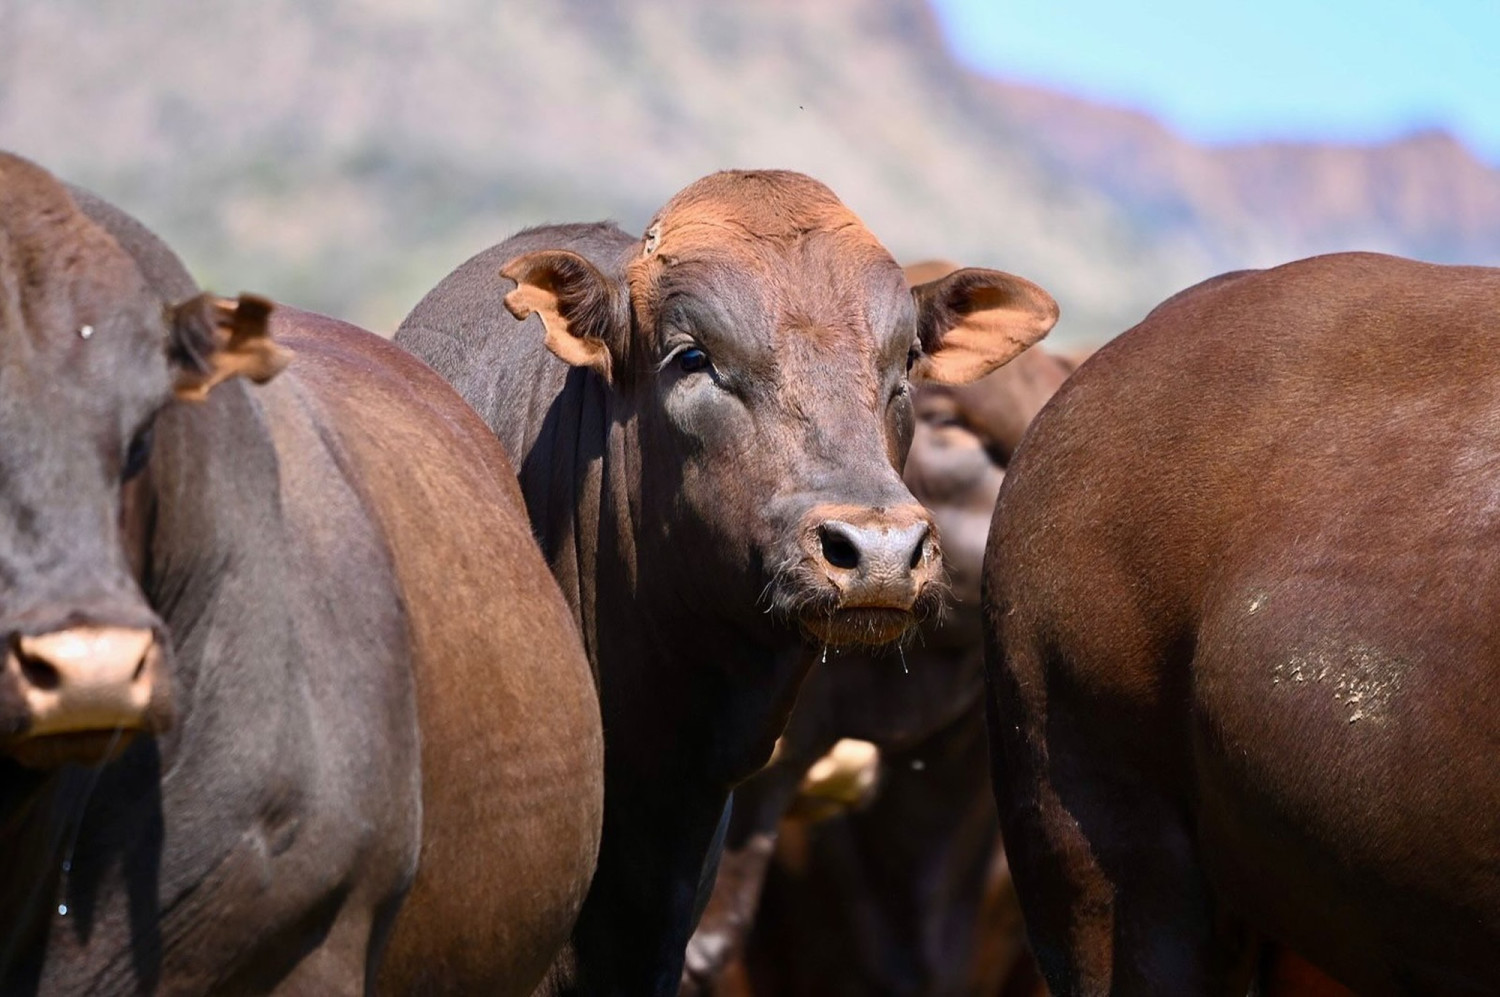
point(692, 360)
point(911, 357)
point(136, 454)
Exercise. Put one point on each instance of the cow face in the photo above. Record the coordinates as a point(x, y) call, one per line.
point(957, 476)
point(964, 439)
point(764, 344)
point(963, 443)
point(88, 356)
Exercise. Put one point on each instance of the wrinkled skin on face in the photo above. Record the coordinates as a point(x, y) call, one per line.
point(802, 383)
point(89, 354)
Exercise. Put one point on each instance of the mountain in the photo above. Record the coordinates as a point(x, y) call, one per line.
point(344, 155)
point(1424, 195)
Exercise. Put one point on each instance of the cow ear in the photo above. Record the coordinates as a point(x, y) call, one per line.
point(215, 339)
point(973, 320)
point(581, 309)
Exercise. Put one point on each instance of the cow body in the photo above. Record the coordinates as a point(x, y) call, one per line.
point(277, 541)
point(705, 423)
point(1239, 591)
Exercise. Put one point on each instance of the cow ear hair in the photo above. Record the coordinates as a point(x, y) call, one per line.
point(581, 309)
point(215, 339)
point(973, 321)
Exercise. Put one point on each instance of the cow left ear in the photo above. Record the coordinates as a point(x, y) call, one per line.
point(215, 339)
point(973, 321)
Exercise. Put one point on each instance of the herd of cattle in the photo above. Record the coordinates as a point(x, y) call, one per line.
point(596, 635)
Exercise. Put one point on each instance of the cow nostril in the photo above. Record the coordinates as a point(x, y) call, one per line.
point(838, 550)
point(39, 673)
point(919, 553)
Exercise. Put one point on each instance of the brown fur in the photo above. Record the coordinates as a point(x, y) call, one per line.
point(1239, 601)
point(511, 749)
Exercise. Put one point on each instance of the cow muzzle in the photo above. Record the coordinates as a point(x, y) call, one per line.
point(84, 688)
point(881, 570)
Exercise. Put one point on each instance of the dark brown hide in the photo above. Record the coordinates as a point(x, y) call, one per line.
point(512, 764)
point(1239, 606)
point(713, 481)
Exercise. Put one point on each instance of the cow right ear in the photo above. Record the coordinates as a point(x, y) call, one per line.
point(973, 321)
point(582, 310)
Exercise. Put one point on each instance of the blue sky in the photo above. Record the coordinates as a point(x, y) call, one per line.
point(1228, 70)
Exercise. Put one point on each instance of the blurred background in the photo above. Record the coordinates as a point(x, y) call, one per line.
point(343, 155)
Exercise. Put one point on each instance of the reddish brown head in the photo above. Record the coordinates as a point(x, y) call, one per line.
point(762, 345)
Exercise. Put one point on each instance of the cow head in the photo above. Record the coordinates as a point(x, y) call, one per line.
point(763, 344)
point(88, 356)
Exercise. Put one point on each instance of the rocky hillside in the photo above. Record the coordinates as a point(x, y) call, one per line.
point(1424, 195)
point(343, 155)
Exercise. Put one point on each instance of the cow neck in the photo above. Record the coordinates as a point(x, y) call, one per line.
point(37, 813)
point(724, 688)
point(213, 568)
point(137, 521)
point(561, 472)
point(715, 695)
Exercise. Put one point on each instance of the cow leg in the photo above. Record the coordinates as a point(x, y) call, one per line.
point(1101, 848)
point(633, 930)
point(759, 804)
point(726, 920)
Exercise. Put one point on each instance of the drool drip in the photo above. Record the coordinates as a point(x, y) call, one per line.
point(67, 862)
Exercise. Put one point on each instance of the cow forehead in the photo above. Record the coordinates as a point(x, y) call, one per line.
point(779, 242)
point(67, 288)
point(753, 204)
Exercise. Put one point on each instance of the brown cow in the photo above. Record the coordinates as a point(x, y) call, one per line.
point(707, 422)
point(253, 579)
point(1239, 600)
point(887, 901)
